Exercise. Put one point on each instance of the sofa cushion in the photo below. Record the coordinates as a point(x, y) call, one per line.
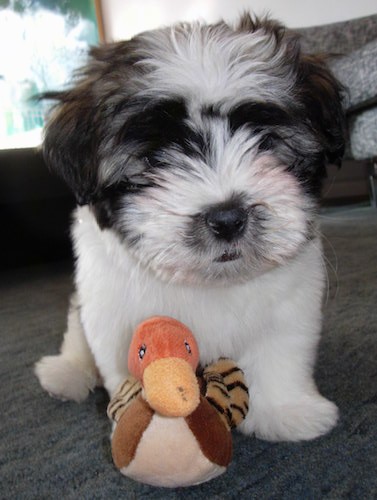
point(358, 72)
point(363, 134)
point(341, 38)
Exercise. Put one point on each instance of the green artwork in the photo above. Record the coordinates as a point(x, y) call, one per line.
point(42, 42)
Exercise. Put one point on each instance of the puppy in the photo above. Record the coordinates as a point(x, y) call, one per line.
point(196, 155)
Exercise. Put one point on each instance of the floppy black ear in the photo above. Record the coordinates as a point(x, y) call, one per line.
point(80, 121)
point(322, 95)
point(71, 141)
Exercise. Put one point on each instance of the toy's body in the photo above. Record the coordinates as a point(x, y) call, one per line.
point(167, 432)
point(166, 451)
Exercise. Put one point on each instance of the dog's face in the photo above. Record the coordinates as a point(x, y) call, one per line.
point(202, 147)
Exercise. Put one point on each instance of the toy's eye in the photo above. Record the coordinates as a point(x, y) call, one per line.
point(188, 348)
point(142, 351)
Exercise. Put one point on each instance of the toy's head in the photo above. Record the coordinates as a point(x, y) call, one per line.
point(164, 356)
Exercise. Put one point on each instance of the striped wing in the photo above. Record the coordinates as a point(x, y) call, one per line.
point(123, 397)
point(226, 391)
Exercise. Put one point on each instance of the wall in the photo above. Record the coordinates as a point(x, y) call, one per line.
point(124, 18)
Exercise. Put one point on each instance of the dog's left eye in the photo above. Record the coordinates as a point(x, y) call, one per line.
point(267, 142)
point(150, 161)
point(133, 187)
point(134, 183)
point(155, 158)
point(123, 187)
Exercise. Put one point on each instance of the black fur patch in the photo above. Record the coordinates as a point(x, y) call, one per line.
point(258, 115)
point(71, 141)
point(160, 125)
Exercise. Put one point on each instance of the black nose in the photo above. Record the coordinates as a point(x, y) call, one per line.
point(227, 223)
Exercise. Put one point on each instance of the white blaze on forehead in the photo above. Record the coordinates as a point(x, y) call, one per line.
point(215, 63)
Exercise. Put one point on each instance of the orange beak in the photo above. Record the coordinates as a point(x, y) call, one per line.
point(171, 387)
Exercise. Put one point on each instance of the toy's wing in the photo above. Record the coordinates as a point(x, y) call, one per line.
point(212, 435)
point(226, 391)
point(129, 430)
point(128, 390)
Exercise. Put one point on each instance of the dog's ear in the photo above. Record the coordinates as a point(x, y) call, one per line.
point(322, 96)
point(319, 93)
point(71, 141)
point(79, 122)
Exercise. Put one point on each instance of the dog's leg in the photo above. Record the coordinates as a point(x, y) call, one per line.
point(284, 401)
point(72, 373)
point(278, 364)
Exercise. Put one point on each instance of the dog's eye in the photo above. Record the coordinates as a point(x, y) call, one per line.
point(155, 158)
point(150, 161)
point(116, 190)
point(267, 142)
point(142, 351)
point(188, 348)
point(133, 187)
point(127, 186)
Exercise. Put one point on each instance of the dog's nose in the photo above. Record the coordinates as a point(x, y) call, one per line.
point(227, 223)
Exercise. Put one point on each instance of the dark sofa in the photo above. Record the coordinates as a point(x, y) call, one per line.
point(35, 209)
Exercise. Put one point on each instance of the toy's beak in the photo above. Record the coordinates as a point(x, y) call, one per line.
point(171, 387)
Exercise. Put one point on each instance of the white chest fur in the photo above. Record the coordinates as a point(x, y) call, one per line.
point(116, 293)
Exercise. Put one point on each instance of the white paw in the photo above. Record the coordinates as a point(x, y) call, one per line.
point(62, 379)
point(305, 419)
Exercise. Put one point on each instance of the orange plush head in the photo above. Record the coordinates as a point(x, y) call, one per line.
point(161, 337)
point(164, 356)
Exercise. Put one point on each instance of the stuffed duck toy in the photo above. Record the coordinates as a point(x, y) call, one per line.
point(173, 428)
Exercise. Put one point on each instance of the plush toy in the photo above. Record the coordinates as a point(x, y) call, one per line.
point(172, 427)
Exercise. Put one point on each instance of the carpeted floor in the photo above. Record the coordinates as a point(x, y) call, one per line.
point(51, 449)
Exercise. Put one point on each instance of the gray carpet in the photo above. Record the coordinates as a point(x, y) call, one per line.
point(51, 449)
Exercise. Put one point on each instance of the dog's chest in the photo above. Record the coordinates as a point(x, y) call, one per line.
point(116, 302)
point(116, 294)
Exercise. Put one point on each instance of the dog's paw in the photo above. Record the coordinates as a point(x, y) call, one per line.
point(63, 380)
point(307, 418)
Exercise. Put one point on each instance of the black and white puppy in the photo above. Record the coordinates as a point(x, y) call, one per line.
point(196, 154)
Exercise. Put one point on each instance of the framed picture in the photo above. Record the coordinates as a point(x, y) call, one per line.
point(42, 42)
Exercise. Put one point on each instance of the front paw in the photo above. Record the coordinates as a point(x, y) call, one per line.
point(306, 418)
point(62, 379)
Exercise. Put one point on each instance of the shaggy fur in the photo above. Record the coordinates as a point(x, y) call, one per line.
point(196, 153)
